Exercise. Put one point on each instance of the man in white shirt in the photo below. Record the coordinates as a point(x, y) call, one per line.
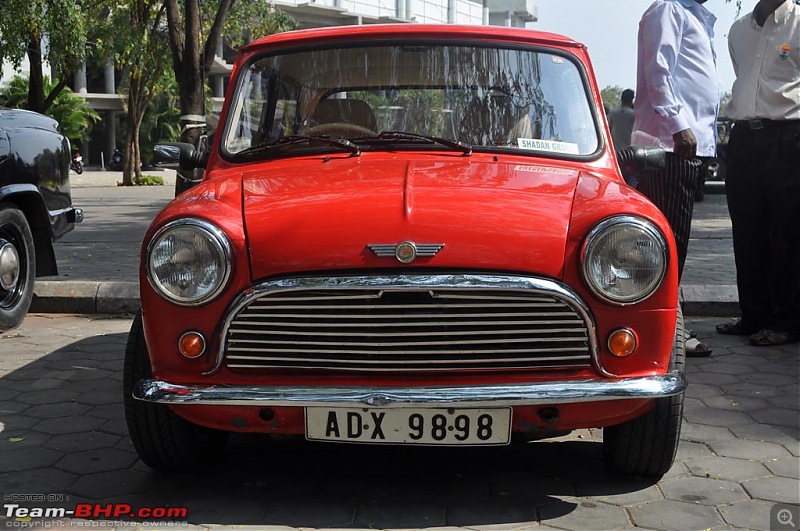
point(677, 98)
point(763, 172)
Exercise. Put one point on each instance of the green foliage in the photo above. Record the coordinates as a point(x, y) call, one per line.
point(62, 21)
point(148, 180)
point(161, 121)
point(611, 97)
point(255, 18)
point(72, 112)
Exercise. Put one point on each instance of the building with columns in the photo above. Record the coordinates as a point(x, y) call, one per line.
point(101, 93)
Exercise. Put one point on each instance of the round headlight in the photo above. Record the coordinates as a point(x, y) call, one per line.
point(624, 259)
point(188, 261)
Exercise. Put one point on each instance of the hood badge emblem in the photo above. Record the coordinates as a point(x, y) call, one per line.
point(405, 252)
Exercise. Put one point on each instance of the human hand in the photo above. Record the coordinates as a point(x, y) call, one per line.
point(685, 144)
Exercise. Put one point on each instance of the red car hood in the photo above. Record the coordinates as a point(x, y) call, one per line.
point(309, 215)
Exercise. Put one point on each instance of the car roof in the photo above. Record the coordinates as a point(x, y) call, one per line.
point(414, 31)
point(19, 118)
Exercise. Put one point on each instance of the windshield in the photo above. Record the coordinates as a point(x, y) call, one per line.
point(528, 100)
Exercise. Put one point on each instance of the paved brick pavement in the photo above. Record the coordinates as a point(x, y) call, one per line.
point(62, 433)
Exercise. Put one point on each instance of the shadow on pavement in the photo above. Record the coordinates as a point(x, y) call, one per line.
point(63, 433)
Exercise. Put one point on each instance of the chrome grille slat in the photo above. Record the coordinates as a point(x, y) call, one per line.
point(460, 352)
point(452, 366)
point(407, 328)
point(418, 324)
point(405, 344)
point(373, 333)
point(399, 306)
point(386, 362)
point(401, 315)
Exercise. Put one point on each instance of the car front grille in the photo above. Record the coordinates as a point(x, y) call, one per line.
point(408, 326)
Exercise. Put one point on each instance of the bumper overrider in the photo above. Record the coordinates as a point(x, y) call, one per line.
point(561, 392)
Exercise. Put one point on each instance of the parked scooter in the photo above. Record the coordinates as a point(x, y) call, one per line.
point(116, 160)
point(77, 163)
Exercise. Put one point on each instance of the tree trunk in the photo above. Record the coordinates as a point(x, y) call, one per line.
point(136, 149)
point(36, 78)
point(191, 101)
point(127, 158)
point(37, 101)
point(191, 62)
point(131, 157)
point(139, 96)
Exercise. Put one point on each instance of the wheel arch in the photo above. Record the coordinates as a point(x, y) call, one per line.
point(29, 201)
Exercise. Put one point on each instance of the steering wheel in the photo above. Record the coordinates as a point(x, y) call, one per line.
point(342, 129)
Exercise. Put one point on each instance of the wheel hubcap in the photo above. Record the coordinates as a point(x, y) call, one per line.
point(9, 266)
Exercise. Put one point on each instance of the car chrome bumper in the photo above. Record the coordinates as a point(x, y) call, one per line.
point(561, 392)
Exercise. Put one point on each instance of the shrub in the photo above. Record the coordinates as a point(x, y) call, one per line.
point(148, 180)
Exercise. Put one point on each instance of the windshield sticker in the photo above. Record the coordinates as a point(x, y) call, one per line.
point(548, 145)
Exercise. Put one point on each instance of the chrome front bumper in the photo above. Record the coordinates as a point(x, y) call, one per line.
point(562, 392)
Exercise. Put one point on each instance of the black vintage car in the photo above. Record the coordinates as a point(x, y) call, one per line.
point(35, 206)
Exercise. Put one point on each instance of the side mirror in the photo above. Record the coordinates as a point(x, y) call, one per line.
point(178, 156)
point(641, 158)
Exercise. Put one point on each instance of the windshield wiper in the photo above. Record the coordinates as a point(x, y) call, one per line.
point(354, 150)
point(465, 149)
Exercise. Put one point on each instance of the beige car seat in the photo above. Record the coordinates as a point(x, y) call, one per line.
point(349, 111)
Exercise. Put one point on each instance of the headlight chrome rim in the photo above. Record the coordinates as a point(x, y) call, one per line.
point(601, 230)
point(221, 244)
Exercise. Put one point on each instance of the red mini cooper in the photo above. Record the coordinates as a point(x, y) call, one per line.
point(408, 234)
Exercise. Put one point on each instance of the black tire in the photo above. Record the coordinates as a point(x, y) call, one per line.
point(723, 170)
point(646, 445)
point(17, 266)
point(79, 168)
point(163, 440)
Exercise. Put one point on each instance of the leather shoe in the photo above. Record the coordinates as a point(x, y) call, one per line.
point(736, 328)
point(772, 338)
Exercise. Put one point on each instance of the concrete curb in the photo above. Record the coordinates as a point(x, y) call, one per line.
point(710, 300)
point(114, 297)
point(85, 296)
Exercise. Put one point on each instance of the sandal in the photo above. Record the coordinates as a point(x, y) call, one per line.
point(735, 328)
point(696, 349)
point(772, 338)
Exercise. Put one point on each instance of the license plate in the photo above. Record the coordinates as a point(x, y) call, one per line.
point(426, 426)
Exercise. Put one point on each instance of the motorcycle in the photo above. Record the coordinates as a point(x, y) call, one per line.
point(77, 163)
point(116, 160)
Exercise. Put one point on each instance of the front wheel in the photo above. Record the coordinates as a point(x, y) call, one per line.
point(164, 440)
point(17, 266)
point(78, 168)
point(646, 445)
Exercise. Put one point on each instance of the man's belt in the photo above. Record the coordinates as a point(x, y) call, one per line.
point(763, 123)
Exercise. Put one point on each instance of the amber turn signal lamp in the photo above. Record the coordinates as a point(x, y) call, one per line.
point(622, 342)
point(192, 344)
